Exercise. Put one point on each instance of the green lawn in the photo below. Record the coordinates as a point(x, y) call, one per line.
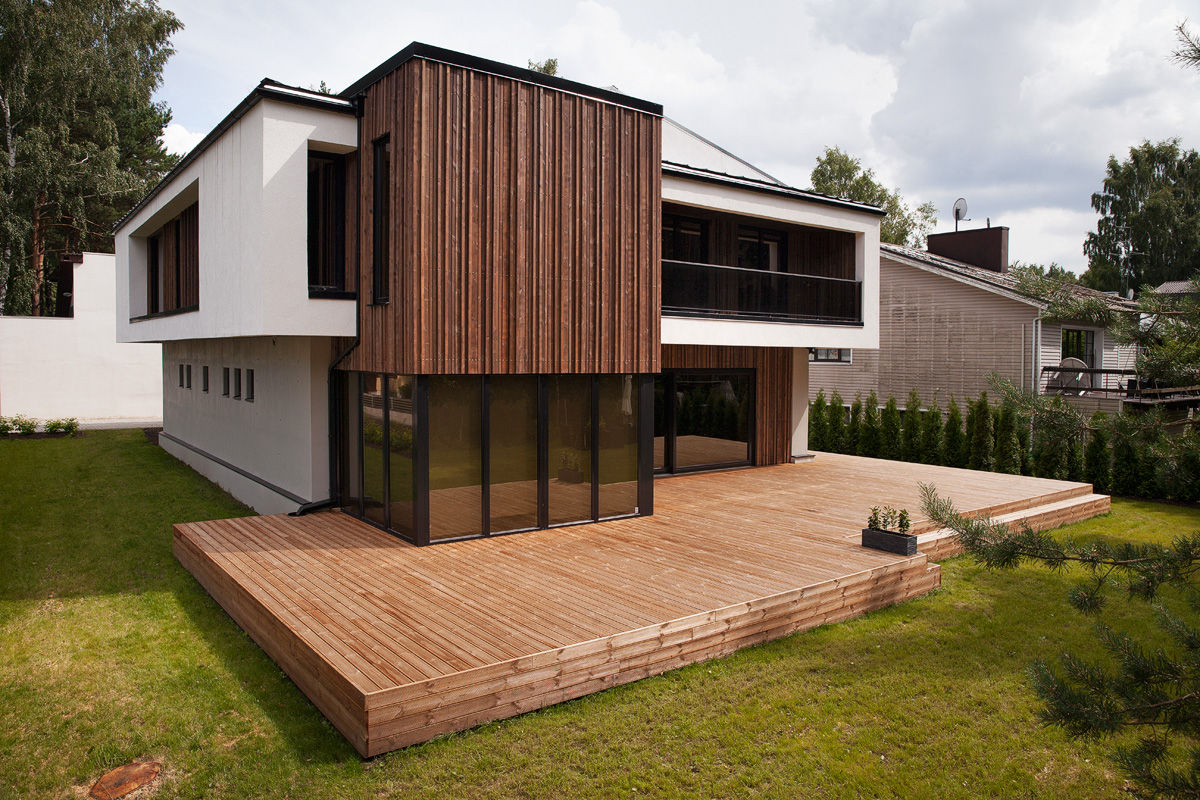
point(109, 652)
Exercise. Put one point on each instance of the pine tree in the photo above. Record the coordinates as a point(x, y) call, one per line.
point(931, 435)
point(1096, 469)
point(818, 424)
point(910, 446)
point(868, 433)
point(981, 435)
point(889, 430)
point(954, 443)
point(835, 426)
point(1008, 447)
point(854, 428)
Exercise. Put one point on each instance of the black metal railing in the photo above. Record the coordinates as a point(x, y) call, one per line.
point(1117, 383)
point(710, 290)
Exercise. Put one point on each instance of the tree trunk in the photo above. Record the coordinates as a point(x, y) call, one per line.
point(39, 255)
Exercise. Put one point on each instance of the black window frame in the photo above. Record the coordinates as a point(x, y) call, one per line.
point(224, 381)
point(1079, 340)
point(670, 467)
point(181, 376)
point(153, 275)
point(760, 236)
point(188, 374)
point(204, 378)
point(381, 216)
point(237, 383)
point(672, 228)
point(249, 396)
point(326, 222)
point(815, 357)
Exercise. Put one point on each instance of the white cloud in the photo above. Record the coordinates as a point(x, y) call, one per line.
point(178, 139)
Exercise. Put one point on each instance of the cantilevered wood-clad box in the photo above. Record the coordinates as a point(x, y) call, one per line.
point(526, 219)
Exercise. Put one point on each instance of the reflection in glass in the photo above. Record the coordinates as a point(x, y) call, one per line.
point(350, 466)
point(712, 418)
point(618, 445)
point(660, 423)
point(401, 431)
point(570, 430)
point(512, 434)
point(371, 405)
point(455, 456)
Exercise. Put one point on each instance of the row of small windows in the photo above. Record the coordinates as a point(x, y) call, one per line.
point(228, 388)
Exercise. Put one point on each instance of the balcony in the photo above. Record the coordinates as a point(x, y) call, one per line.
point(712, 291)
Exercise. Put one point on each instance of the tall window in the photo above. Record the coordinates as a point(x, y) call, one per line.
point(153, 277)
point(761, 249)
point(1081, 344)
point(381, 219)
point(173, 264)
point(684, 239)
point(326, 221)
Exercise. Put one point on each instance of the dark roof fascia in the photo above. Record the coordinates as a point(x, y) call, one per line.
point(267, 88)
point(454, 58)
point(720, 178)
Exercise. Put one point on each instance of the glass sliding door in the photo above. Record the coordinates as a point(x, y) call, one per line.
point(455, 456)
point(349, 442)
point(401, 434)
point(373, 430)
point(703, 419)
point(617, 442)
point(570, 448)
point(512, 452)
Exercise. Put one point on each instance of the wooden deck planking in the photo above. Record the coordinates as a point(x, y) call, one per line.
point(397, 644)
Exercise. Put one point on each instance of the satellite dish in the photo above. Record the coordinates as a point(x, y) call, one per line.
point(960, 211)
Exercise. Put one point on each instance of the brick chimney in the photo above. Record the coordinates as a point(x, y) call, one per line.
point(981, 247)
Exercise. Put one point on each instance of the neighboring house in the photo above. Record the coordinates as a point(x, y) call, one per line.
point(462, 298)
point(1177, 288)
point(946, 325)
point(71, 365)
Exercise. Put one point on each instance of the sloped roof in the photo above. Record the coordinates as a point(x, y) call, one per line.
point(1175, 287)
point(1000, 283)
point(682, 145)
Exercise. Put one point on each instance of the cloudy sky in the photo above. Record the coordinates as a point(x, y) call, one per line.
point(1015, 106)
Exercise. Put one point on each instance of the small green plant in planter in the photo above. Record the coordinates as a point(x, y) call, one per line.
point(888, 530)
point(23, 425)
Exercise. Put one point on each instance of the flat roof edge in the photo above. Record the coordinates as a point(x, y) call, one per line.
point(762, 187)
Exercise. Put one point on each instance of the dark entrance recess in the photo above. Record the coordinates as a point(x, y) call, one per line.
point(448, 457)
point(703, 419)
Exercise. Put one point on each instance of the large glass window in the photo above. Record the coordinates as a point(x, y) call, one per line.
point(349, 462)
point(761, 249)
point(326, 221)
point(570, 432)
point(617, 441)
point(401, 433)
point(684, 239)
point(1080, 344)
point(373, 427)
point(455, 456)
point(703, 419)
point(513, 452)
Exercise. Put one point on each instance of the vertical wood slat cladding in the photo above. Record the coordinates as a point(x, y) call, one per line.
point(525, 228)
point(772, 389)
point(810, 251)
point(179, 265)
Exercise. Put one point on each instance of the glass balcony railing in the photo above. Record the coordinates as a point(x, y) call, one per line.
point(708, 290)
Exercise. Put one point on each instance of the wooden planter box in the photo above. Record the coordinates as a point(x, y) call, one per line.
point(902, 544)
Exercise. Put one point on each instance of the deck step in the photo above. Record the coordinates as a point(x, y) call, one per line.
point(943, 543)
point(1073, 492)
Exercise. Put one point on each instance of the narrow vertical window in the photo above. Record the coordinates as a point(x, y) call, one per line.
point(381, 219)
point(188, 372)
point(181, 376)
point(225, 381)
point(153, 280)
point(326, 221)
point(204, 378)
point(237, 383)
point(249, 386)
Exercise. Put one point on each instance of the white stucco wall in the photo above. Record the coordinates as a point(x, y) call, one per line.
point(864, 226)
point(252, 188)
point(51, 367)
point(281, 437)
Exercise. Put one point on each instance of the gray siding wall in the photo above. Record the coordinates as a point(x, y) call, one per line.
point(937, 335)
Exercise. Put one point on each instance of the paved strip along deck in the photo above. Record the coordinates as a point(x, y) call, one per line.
point(396, 644)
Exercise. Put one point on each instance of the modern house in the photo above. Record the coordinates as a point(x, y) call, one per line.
point(461, 299)
point(952, 315)
point(70, 364)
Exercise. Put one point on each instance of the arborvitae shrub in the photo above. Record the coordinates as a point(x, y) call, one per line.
point(1125, 475)
point(981, 435)
point(1074, 466)
point(910, 441)
point(931, 435)
point(889, 430)
point(972, 415)
point(835, 427)
point(868, 434)
point(818, 424)
point(1096, 468)
point(1049, 456)
point(1186, 477)
point(954, 443)
point(1008, 446)
point(854, 429)
point(1023, 436)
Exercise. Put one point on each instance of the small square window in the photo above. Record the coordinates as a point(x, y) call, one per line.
point(237, 383)
point(249, 386)
point(204, 378)
point(189, 376)
point(181, 376)
point(225, 381)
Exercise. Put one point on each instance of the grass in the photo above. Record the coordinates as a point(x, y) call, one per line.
point(109, 652)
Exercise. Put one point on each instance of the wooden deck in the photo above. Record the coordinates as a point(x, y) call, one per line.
point(397, 644)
